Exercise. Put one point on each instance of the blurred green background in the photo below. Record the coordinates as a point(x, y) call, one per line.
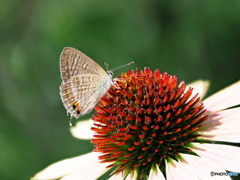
point(190, 39)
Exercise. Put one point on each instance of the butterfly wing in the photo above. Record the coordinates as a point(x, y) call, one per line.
point(74, 62)
point(82, 92)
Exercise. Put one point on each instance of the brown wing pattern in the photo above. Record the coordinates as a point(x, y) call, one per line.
point(74, 62)
point(81, 92)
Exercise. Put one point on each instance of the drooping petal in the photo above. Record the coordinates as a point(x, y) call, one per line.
point(226, 156)
point(200, 87)
point(118, 176)
point(83, 130)
point(156, 174)
point(132, 176)
point(88, 171)
point(176, 171)
point(202, 168)
point(225, 98)
point(64, 167)
point(223, 126)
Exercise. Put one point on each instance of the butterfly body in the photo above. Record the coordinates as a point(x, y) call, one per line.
point(84, 82)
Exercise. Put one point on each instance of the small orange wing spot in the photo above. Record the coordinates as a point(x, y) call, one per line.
point(75, 106)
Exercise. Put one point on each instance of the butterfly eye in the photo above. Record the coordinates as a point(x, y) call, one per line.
point(110, 73)
point(77, 112)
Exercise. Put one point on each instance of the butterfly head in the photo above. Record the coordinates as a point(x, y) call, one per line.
point(110, 73)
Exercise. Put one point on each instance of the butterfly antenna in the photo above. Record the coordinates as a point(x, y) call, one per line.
point(106, 65)
point(123, 65)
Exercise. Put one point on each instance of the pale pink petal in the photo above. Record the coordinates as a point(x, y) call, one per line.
point(200, 87)
point(88, 171)
point(223, 126)
point(176, 171)
point(64, 167)
point(132, 176)
point(226, 156)
point(201, 167)
point(225, 98)
point(156, 174)
point(83, 130)
point(118, 176)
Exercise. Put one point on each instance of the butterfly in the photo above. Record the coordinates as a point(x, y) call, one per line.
point(84, 82)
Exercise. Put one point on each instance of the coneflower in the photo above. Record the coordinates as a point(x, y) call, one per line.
point(150, 126)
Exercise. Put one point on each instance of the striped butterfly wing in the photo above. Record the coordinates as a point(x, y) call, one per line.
point(74, 62)
point(82, 92)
